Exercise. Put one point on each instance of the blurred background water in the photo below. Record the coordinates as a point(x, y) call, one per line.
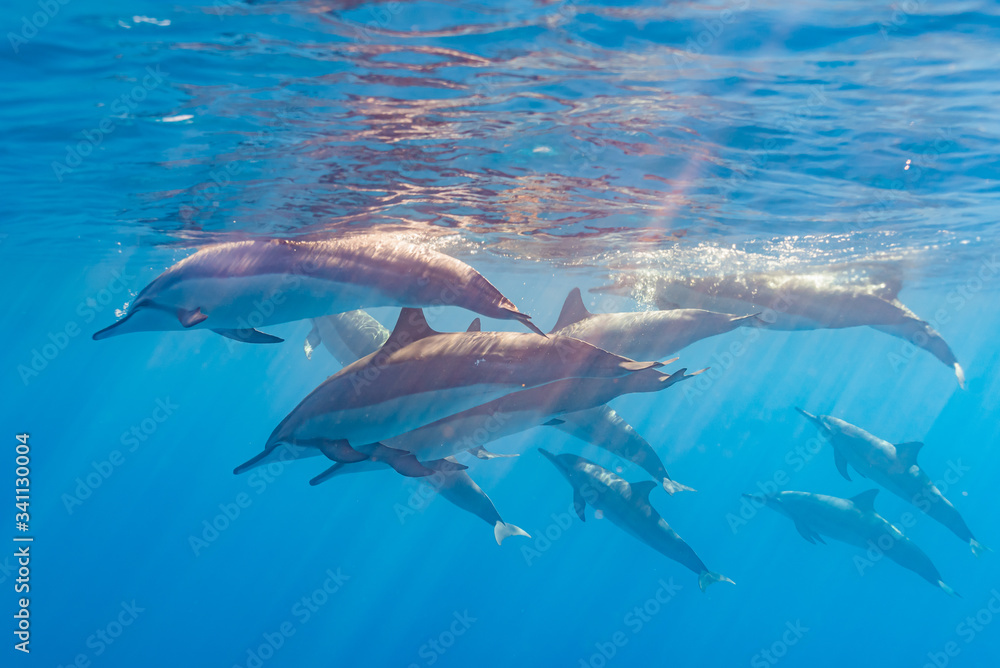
point(551, 145)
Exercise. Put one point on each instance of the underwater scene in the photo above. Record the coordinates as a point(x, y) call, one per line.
point(518, 333)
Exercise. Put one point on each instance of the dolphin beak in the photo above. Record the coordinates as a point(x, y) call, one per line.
point(548, 455)
point(809, 416)
point(758, 498)
point(108, 332)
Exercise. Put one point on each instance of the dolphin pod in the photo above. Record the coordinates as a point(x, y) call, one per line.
point(627, 505)
point(798, 302)
point(895, 468)
point(853, 521)
point(420, 375)
point(234, 288)
point(420, 402)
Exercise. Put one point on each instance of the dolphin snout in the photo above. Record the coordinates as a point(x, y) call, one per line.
point(109, 331)
point(548, 455)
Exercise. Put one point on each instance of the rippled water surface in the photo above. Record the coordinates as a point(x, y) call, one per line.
point(551, 145)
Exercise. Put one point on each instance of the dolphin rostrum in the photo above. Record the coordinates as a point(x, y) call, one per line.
point(853, 521)
point(627, 505)
point(455, 486)
point(643, 335)
point(233, 288)
point(420, 376)
point(895, 468)
point(796, 302)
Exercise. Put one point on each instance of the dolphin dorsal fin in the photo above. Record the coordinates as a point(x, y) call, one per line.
point(907, 453)
point(865, 500)
point(573, 310)
point(411, 326)
point(641, 490)
point(475, 326)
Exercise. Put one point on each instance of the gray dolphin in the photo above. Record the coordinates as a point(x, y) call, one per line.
point(420, 376)
point(796, 302)
point(455, 486)
point(233, 288)
point(648, 335)
point(627, 505)
point(349, 336)
point(603, 427)
point(895, 468)
point(853, 521)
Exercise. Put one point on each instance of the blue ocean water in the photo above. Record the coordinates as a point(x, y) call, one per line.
point(551, 145)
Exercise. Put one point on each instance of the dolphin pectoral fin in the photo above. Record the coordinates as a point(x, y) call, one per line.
point(907, 453)
point(449, 464)
point(502, 530)
point(327, 474)
point(960, 375)
point(338, 450)
point(312, 340)
point(189, 318)
point(248, 335)
point(482, 453)
point(554, 422)
point(407, 465)
point(808, 533)
point(841, 461)
point(706, 578)
point(977, 547)
point(639, 366)
point(579, 505)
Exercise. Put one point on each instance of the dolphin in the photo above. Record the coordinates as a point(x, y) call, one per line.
point(627, 505)
point(421, 375)
point(603, 427)
point(895, 468)
point(519, 411)
point(349, 336)
point(455, 486)
point(796, 302)
point(644, 335)
point(233, 288)
point(853, 521)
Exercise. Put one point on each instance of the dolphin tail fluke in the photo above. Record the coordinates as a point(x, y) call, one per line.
point(708, 577)
point(978, 548)
point(502, 530)
point(672, 486)
point(948, 590)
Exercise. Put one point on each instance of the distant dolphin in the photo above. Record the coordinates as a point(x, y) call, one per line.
point(797, 302)
point(893, 467)
point(603, 427)
point(627, 505)
point(420, 376)
point(349, 336)
point(233, 288)
point(853, 521)
point(644, 335)
point(455, 486)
